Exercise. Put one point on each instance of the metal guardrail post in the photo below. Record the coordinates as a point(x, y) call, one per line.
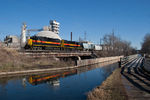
point(119, 62)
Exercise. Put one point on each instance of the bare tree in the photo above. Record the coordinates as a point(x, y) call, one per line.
point(146, 44)
point(116, 46)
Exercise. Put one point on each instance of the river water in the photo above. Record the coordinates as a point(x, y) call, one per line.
point(68, 85)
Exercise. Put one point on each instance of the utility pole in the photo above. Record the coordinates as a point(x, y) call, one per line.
point(113, 40)
point(100, 41)
point(85, 36)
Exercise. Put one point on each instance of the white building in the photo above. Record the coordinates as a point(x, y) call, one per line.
point(54, 26)
point(12, 41)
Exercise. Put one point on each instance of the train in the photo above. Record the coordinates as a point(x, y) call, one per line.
point(46, 43)
point(48, 39)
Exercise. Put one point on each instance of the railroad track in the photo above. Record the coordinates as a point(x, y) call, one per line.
point(136, 80)
point(51, 51)
point(47, 53)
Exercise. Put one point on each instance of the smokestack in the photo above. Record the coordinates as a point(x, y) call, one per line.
point(23, 35)
point(71, 36)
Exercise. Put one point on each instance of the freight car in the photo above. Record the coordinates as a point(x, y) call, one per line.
point(97, 47)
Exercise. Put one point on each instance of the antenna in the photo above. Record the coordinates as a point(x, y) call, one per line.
point(113, 33)
point(79, 39)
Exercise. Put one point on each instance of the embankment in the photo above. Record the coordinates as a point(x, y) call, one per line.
point(14, 64)
point(11, 60)
point(111, 89)
point(105, 61)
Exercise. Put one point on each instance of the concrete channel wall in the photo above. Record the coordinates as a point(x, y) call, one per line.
point(98, 60)
point(147, 65)
point(105, 61)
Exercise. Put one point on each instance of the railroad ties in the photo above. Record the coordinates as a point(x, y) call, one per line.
point(136, 80)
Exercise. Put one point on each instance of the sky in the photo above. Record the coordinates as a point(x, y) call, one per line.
point(130, 19)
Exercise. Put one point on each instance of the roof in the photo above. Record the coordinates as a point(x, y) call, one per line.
point(48, 34)
point(11, 36)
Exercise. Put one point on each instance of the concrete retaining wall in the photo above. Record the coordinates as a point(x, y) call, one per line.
point(98, 60)
point(147, 65)
point(106, 60)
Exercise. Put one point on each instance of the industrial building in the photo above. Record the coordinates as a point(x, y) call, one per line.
point(50, 31)
point(12, 41)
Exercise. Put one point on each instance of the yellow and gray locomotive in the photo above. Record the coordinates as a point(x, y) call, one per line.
point(44, 43)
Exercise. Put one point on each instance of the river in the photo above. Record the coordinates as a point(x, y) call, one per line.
point(68, 85)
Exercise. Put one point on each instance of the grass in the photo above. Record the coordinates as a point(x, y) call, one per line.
point(111, 89)
point(11, 60)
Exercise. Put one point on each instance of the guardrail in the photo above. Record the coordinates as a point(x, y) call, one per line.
point(127, 59)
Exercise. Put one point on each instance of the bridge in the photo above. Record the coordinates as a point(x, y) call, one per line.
point(47, 53)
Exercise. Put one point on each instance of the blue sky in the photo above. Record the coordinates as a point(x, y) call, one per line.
point(130, 19)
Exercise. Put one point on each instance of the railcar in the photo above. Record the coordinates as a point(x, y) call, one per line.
point(71, 45)
point(97, 47)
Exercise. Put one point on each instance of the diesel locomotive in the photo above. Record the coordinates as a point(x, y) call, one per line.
point(44, 43)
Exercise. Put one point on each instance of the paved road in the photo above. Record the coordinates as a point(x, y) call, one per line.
point(136, 80)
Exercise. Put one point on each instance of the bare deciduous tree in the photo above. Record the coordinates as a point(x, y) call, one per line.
point(146, 44)
point(114, 46)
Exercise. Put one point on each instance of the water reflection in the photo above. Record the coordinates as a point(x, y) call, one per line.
point(69, 84)
point(53, 79)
